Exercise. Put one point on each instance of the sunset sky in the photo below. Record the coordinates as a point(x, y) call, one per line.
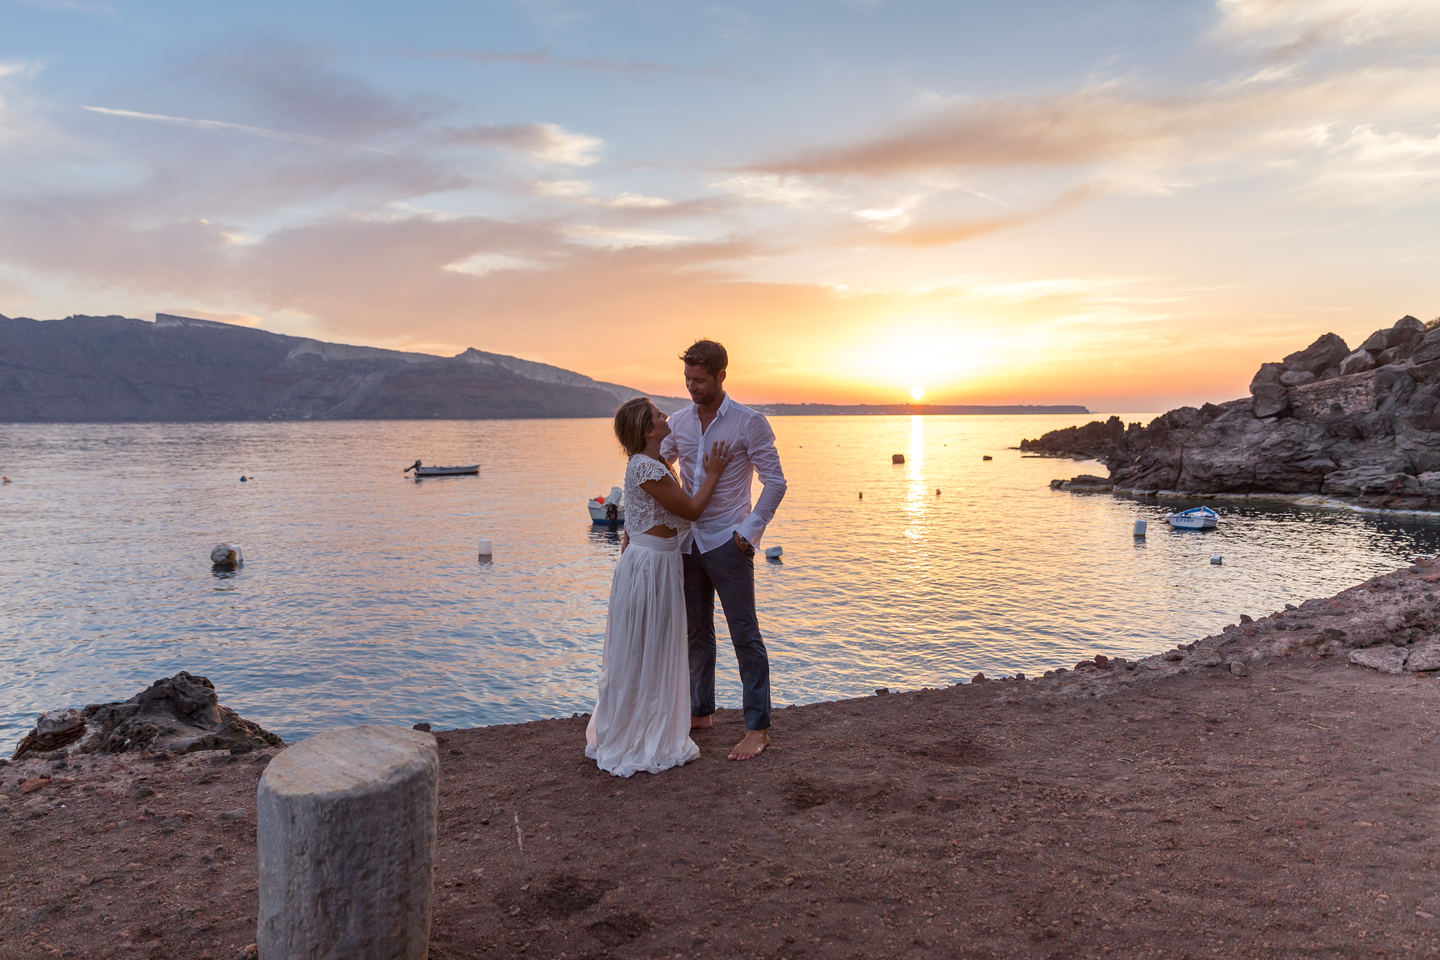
point(1127, 204)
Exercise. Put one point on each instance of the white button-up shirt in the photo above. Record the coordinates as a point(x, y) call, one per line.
point(752, 448)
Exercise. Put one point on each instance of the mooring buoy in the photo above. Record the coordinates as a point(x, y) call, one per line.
point(226, 556)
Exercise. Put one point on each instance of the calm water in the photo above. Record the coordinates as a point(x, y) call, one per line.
point(361, 598)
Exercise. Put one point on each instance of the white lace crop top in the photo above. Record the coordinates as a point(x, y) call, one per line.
point(641, 510)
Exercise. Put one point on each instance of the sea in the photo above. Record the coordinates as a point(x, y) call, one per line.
point(363, 597)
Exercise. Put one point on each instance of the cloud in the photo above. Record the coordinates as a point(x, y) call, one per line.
point(20, 68)
point(69, 6)
point(786, 189)
point(543, 58)
point(565, 189)
point(262, 132)
point(626, 200)
point(1300, 26)
point(544, 142)
point(932, 234)
point(278, 84)
point(1370, 166)
point(1127, 140)
point(611, 237)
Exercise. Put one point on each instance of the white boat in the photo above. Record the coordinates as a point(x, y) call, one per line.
point(1196, 518)
point(423, 471)
point(609, 508)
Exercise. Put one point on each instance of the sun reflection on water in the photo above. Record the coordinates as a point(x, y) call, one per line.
point(362, 598)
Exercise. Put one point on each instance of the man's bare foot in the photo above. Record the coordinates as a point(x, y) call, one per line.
point(702, 723)
point(752, 746)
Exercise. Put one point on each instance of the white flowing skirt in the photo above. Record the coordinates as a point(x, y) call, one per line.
point(642, 713)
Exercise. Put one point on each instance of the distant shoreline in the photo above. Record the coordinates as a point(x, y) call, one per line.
point(911, 409)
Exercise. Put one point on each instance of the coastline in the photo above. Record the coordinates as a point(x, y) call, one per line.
point(1311, 500)
point(1175, 805)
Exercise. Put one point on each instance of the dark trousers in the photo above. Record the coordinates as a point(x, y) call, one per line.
point(730, 572)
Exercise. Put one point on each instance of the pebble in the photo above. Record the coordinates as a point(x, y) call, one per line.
point(1239, 668)
point(33, 784)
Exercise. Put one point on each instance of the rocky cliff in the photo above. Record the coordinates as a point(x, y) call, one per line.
point(180, 369)
point(1358, 425)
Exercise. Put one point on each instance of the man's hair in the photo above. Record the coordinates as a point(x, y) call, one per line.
point(707, 354)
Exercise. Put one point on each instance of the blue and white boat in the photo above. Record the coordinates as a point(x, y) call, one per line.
point(608, 509)
point(1196, 518)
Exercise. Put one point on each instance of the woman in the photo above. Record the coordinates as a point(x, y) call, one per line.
point(642, 713)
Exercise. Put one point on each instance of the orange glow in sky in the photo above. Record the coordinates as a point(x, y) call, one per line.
point(1056, 202)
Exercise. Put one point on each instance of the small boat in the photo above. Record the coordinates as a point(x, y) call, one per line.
point(1196, 518)
point(609, 508)
point(423, 471)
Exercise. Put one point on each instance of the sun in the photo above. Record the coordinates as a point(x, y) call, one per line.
point(916, 392)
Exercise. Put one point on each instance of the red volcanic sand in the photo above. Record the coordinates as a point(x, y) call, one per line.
point(1287, 812)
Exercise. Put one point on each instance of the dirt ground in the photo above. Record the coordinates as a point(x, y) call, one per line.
point(1290, 811)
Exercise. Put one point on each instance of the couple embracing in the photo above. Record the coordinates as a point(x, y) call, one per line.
point(687, 540)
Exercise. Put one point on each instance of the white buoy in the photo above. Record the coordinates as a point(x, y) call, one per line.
point(1140, 528)
point(485, 550)
point(226, 556)
point(773, 553)
point(1216, 559)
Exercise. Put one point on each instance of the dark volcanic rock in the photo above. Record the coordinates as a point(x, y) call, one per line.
point(179, 369)
point(1360, 425)
point(179, 714)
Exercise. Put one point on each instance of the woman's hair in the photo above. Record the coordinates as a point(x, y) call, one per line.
point(632, 421)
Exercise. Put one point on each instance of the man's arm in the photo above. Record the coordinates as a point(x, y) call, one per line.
point(766, 460)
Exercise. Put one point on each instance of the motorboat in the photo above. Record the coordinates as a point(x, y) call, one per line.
point(421, 470)
point(1196, 518)
point(609, 508)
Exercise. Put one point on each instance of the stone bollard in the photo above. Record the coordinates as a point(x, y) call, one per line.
point(346, 837)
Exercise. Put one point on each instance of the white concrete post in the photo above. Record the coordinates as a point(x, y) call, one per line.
point(346, 837)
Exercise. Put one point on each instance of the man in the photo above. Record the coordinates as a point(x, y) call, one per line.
point(719, 549)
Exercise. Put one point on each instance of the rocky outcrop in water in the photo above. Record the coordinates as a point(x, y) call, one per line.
point(178, 714)
point(1358, 425)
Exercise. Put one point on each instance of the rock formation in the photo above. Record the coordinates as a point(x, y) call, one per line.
point(1388, 623)
point(1356, 425)
point(179, 714)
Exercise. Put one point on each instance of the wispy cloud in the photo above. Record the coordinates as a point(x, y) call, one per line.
point(69, 6)
point(545, 142)
point(20, 68)
point(543, 58)
point(245, 128)
point(787, 189)
point(1132, 141)
point(1300, 26)
point(933, 234)
point(1370, 166)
